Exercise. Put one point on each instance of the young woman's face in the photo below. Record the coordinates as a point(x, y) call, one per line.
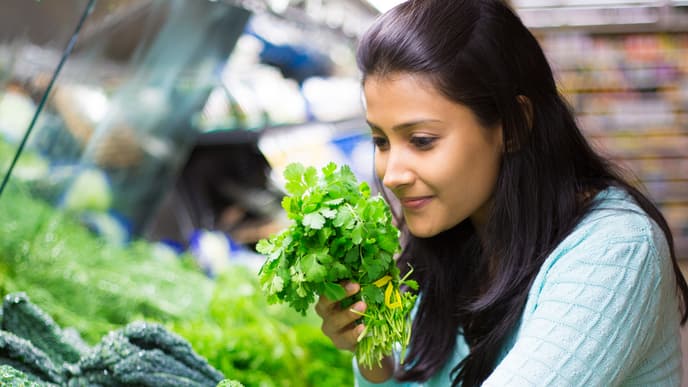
point(431, 153)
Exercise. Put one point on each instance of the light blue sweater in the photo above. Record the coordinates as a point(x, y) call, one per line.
point(602, 311)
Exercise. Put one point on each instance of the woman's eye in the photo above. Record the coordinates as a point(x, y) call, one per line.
point(422, 142)
point(380, 142)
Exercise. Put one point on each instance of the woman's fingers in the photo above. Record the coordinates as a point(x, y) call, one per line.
point(342, 319)
point(325, 305)
point(339, 324)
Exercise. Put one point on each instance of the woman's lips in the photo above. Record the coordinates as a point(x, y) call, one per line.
point(415, 203)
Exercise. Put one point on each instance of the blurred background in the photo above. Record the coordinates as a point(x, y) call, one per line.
point(142, 145)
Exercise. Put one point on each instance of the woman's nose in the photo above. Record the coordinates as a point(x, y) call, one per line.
point(395, 171)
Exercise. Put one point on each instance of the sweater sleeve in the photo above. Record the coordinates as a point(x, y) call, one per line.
point(593, 317)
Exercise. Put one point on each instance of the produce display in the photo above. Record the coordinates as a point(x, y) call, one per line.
point(24, 319)
point(339, 233)
point(263, 345)
point(84, 283)
point(229, 383)
point(11, 377)
point(142, 354)
point(91, 289)
point(22, 355)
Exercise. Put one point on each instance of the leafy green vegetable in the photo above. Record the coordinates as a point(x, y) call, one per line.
point(339, 232)
point(25, 357)
point(26, 320)
point(90, 190)
point(12, 377)
point(85, 283)
point(263, 345)
point(143, 354)
point(229, 383)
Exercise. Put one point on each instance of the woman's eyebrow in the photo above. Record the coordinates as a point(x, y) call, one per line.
point(405, 125)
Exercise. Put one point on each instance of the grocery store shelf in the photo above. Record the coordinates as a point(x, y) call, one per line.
point(643, 132)
point(604, 17)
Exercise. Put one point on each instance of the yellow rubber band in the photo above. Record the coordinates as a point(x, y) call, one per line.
point(382, 281)
point(388, 297)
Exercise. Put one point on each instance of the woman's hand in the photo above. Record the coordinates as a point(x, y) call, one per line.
point(340, 326)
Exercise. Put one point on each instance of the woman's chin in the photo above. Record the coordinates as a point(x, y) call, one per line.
point(422, 232)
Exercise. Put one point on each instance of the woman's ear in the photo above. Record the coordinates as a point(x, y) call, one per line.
point(527, 107)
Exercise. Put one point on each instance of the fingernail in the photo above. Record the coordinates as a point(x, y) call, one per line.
point(359, 306)
point(351, 287)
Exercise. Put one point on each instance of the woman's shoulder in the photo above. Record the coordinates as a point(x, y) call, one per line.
point(615, 235)
point(616, 247)
point(606, 288)
point(615, 220)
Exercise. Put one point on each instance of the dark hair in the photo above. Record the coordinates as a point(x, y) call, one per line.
point(478, 53)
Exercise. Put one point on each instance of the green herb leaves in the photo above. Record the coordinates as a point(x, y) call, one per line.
point(339, 232)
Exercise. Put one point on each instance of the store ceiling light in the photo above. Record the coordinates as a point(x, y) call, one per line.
point(384, 5)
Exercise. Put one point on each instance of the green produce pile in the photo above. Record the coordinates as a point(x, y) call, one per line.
point(229, 383)
point(339, 232)
point(263, 345)
point(92, 289)
point(11, 377)
point(30, 165)
point(141, 354)
point(83, 282)
point(24, 319)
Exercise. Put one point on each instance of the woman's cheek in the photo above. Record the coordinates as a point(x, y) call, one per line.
point(380, 163)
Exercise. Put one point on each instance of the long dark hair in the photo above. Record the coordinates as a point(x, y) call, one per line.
point(478, 53)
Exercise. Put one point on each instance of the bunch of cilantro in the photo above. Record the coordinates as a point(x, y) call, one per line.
point(339, 232)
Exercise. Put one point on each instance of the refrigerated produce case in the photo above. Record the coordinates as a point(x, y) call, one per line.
point(120, 113)
point(102, 105)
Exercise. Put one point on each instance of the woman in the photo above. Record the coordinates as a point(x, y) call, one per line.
point(538, 264)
